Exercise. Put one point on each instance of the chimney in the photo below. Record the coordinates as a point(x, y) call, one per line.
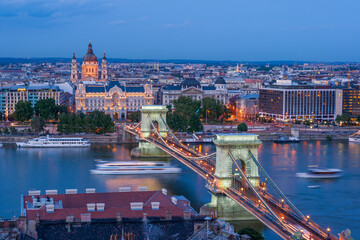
point(51, 192)
point(136, 206)
point(34, 192)
point(100, 207)
point(164, 191)
point(71, 191)
point(91, 207)
point(155, 205)
point(142, 189)
point(124, 189)
point(50, 208)
point(174, 200)
point(90, 190)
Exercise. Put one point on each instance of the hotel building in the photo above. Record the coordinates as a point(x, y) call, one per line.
point(11, 95)
point(290, 103)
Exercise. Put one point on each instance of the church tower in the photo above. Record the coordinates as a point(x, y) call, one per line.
point(104, 72)
point(90, 65)
point(74, 76)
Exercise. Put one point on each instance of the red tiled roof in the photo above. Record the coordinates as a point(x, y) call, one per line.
point(252, 80)
point(115, 202)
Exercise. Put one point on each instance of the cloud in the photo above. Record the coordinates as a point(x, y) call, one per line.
point(170, 25)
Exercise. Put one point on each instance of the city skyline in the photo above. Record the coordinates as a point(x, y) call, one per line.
point(325, 31)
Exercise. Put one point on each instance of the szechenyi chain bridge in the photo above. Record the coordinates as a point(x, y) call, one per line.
point(237, 181)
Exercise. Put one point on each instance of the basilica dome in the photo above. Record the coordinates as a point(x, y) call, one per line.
point(90, 56)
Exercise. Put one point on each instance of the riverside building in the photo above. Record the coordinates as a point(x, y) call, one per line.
point(11, 95)
point(192, 88)
point(299, 103)
point(96, 92)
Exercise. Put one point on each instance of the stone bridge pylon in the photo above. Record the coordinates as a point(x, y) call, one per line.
point(151, 116)
point(239, 145)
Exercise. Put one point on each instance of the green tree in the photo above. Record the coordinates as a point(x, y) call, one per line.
point(255, 235)
point(214, 110)
point(242, 127)
point(135, 116)
point(37, 124)
point(6, 131)
point(176, 122)
point(345, 119)
point(46, 108)
point(13, 131)
point(23, 111)
point(63, 121)
point(195, 124)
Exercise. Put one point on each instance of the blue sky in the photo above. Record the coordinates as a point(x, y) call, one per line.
point(244, 30)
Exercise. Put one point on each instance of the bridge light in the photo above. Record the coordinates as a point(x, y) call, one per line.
point(307, 217)
point(241, 189)
point(236, 169)
point(282, 218)
point(282, 200)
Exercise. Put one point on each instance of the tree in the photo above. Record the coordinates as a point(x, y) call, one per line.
point(135, 116)
point(13, 131)
point(6, 131)
point(343, 119)
point(37, 124)
point(23, 111)
point(242, 127)
point(63, 120)
point(46, 108)
point(185, 117)
point(195, 123)
point(255, 235)
point(214, 110)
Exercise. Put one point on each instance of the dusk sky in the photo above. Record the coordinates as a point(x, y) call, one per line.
point(257, 30)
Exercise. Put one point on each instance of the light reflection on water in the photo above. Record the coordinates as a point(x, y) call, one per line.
point(335, 204)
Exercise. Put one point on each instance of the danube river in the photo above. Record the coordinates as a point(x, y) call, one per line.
point(336, 204)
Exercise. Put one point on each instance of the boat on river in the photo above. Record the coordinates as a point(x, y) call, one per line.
point(321, 173)
point(285, 139)
point(1, 145)
point(355, 137)
point(50, 142)
point(134, 167)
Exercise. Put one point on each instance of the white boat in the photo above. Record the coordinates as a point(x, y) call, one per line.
point(1, 145)
point(134, 167)
point(321, 173)
point(49, 142)
point(355, 137)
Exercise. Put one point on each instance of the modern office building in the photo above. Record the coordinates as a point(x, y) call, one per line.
point(11, 95)
point(351, 102)
point(290, 103)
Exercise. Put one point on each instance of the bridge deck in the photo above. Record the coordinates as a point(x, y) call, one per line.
point(203, 165)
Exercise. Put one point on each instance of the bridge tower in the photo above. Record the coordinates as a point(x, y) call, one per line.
point(151, 115)
point(239, 145)
point(155, 112)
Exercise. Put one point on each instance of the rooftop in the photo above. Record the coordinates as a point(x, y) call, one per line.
point(129, 204)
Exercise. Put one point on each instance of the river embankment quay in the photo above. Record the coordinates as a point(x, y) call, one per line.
point(118, 138)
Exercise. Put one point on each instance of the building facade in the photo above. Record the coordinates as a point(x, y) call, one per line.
point(298, 104)
point(94, 90)
point(192, 88)
point(351, 101)
point(113, 98)
point(11, 95)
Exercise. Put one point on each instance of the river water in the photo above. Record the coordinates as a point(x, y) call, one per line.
point(336, 204)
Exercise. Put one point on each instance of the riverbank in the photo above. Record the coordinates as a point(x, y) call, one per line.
point(118, 138)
